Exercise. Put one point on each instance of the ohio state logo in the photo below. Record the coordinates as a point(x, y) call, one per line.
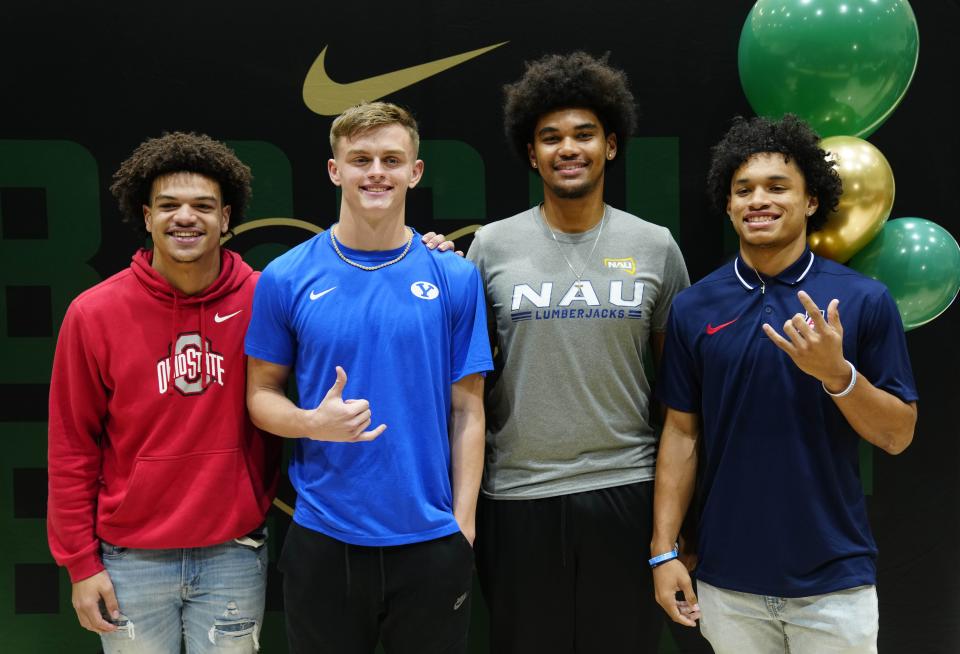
point(189, 366)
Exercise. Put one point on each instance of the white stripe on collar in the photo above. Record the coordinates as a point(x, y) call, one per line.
point(807, 269)
point(736, 270)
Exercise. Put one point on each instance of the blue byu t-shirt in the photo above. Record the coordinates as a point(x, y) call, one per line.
point(783, 510)
point(403, 334)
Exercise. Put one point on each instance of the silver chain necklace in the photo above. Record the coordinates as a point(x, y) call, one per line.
point(763, 284)
point(406, 248)
point(586, 262)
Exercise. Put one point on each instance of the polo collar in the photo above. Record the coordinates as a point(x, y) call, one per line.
point(791, 275)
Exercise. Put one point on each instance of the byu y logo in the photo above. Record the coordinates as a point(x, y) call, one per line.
point(425, 290)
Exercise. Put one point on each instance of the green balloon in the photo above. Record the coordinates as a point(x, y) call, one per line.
point(919, 261)
point(841, 65)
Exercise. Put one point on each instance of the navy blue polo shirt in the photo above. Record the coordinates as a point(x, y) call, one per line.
point(783, 510)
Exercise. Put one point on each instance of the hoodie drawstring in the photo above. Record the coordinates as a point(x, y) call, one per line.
point(173, 344)
point(204, 374)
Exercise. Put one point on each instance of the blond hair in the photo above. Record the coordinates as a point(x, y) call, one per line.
point(371, 115)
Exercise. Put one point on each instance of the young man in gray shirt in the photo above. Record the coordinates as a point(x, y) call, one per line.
point(580, 292)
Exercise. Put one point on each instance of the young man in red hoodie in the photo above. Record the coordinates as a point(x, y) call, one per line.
point(159, 482)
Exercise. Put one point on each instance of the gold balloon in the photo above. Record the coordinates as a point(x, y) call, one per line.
point(866, 202)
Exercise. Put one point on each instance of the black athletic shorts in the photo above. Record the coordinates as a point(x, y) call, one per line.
point(342, 599)
point(569, 574)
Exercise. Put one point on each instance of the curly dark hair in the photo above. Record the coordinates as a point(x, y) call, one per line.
point(176, 152)
point(791, 137)
point(568, 80)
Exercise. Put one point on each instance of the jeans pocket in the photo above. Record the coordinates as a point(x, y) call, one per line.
point(255, 539)
point(249, 553)
point(110, 551)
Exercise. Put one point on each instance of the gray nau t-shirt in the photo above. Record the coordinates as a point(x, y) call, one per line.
point(569, 408)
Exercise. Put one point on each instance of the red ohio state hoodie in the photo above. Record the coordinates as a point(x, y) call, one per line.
point(150, 444)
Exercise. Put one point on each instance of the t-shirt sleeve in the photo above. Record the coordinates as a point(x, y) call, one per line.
point(678, 381)
point(882, 354)
point(675, 279)
point(475, 251)
point(476, 255)
point(269, 335)
point(470, 344)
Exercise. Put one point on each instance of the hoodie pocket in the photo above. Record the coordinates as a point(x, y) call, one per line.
point(191, 499)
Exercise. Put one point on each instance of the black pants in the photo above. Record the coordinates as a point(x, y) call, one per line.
point(569, 574)
point(342, 599)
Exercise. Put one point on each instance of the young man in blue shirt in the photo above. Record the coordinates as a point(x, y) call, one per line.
point(381, 541)
point(775, 393)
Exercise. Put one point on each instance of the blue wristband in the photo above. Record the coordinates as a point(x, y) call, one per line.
point(660, 559)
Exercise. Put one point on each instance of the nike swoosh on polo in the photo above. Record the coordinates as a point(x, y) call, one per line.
point(328, 98)
point(218, 318)
point(713, 330)
point(314, 296)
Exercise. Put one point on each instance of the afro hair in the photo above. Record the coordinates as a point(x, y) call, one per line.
point(568, 80)
point(792, 138)
point(177, 152)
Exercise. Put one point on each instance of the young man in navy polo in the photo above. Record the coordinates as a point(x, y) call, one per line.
point(775, 393)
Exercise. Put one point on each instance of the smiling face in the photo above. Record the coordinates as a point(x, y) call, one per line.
point(570, 150)
point(375, 169)
point(769, 205)
point(185, 219)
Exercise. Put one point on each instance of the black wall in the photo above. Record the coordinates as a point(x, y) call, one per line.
point(84, 83)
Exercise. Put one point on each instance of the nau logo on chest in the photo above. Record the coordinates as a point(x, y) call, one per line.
point(580, 301)
point(425, 290)
point(627, 264)
point(581, 293)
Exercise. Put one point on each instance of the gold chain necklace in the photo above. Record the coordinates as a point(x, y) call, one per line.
point(586, 262)
point(406, 248)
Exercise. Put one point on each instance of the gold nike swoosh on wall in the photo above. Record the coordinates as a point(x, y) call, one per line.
point(328, 98)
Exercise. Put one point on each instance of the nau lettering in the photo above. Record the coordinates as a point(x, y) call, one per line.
point(582, 293)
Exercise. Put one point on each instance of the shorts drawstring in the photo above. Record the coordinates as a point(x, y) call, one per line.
point(563, 530)
point(383, 578)
point(346, 561)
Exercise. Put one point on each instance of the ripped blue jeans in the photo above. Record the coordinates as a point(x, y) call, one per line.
point(210, 598)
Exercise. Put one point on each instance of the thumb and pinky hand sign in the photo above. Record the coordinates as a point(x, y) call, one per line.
point(345, 420)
